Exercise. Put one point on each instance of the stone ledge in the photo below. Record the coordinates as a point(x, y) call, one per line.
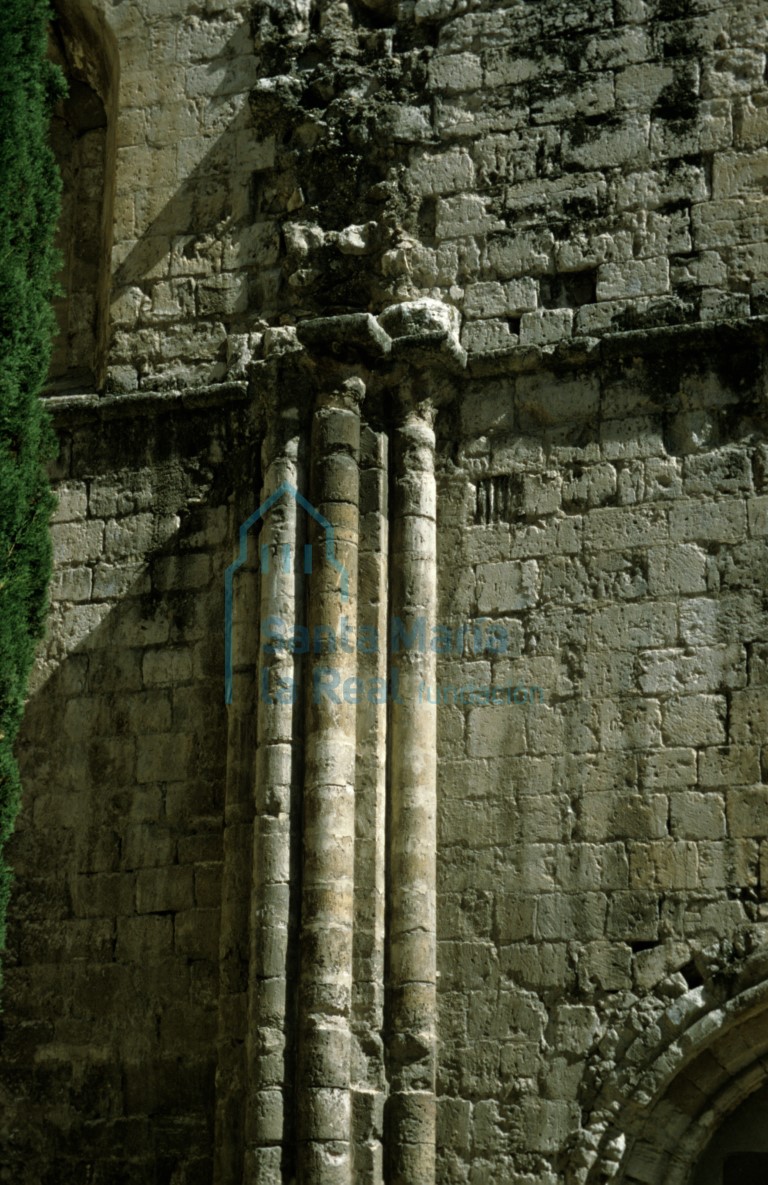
point(580, 351)
point(436, 349)
point(83, 407)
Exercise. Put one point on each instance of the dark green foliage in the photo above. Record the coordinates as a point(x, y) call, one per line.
point(29, 209)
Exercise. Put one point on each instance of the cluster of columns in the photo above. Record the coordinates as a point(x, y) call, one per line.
point(300, 1039)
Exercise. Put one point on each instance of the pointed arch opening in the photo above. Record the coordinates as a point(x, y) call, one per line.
point(737, 1153)
point(662, 1114)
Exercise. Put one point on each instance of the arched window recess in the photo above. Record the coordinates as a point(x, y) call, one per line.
point(83, 136)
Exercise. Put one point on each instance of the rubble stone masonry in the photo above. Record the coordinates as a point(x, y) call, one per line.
point(482, 287)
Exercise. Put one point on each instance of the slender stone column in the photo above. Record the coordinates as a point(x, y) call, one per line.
point(268, 1135)
point(234, 949)
point(369, 1080)
point(412, 810)
point(329, 802)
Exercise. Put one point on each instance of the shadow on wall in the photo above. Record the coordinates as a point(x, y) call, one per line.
point(169, 179)
point(194, 251)
point(107, 1059)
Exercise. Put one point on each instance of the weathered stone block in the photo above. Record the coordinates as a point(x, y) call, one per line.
point(580, 917)
point(695, 720)
point(533, 965)
point(495, 731)
point(728, 222)
point(127, 537)
point(223, 295)
point(495, 299)
point(634, 626)
point(545, 326)
point(748, 717)
point(71, 503)
point(77, 542)
point(619, 815)
point(682, 568)
point(197, 933)
point(458, 217)
point(724, 521)
point(208, 880)
point(507, 587)
point(160, 890)
point(181, 572)
point(147, 845)
point(734, 765)
point(697, 816)
point(485, 336)
point(734, 71)
point(640, 85)
point(455, 73)
point(104, 894)
point(71, 584)
point(646, 277)
point(547, 1122)
point(613, 528)
point(747, 812)
point(144, 939)
point(164, 757)
point(448, 172)
point(623, 143)
point(527, 252)
point(544, 399)
point(166, 667)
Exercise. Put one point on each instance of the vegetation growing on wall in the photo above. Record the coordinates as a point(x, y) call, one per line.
point(29, 207)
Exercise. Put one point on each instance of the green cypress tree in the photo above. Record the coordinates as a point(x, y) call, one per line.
point(29, 209)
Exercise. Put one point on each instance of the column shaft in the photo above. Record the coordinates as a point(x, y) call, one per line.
point(329, 802)
point(234, 944)
point(412, 812)
point(269, 1137)
point(369, 1080)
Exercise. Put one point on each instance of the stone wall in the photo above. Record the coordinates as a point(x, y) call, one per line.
point(550, 173)
point(487, 285)
point(591, 845)
point(112, 963)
